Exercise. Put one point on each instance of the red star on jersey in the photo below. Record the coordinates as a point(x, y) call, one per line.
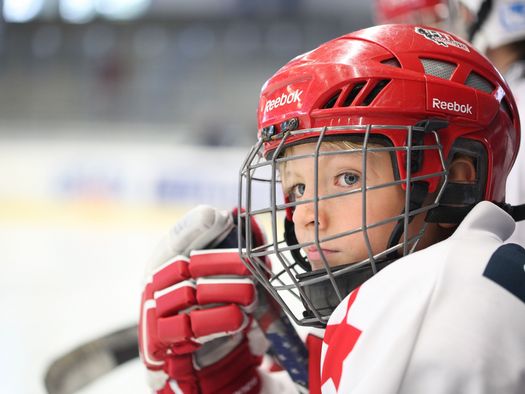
point(340, 339)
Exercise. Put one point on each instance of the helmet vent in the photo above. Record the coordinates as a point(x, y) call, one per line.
point(476, 81)
point(438, 68)
point(331, 102)
point(353, 93)
point(375, 91)
point(393, 62)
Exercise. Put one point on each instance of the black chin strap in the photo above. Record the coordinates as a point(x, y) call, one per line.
point(418, 194)
point(322, 294)
point(516, 211)
point(291, 240)
point(455, 215)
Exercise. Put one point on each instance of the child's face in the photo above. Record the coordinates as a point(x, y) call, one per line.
point(339, 173)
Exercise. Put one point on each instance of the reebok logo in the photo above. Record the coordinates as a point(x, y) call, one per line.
point(452, 106)
point(289, 98)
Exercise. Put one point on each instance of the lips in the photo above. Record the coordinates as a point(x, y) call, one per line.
point(315, 255)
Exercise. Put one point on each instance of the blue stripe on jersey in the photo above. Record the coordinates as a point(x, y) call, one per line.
point(506, 267)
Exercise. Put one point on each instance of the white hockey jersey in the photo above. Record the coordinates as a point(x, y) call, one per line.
point(447, 319)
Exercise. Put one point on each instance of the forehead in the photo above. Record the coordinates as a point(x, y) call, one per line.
point(355, 147)
point(298, 156)
point(310, 148)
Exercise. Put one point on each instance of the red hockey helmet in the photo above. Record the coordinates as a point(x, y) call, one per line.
point(425, 95)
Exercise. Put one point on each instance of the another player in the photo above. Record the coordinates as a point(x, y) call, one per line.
point(497, 29)
point(383, 157)
point(427, 12)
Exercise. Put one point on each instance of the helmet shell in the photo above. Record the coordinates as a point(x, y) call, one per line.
point(397, 75)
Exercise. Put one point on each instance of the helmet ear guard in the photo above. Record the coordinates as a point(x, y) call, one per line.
point(459, 198)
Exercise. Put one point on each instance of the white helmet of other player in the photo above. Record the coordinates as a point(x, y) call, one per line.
point(490, 23)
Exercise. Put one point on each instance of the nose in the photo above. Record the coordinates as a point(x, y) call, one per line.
point(304, 215)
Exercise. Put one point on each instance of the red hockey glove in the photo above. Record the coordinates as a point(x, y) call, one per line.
point(196, 332)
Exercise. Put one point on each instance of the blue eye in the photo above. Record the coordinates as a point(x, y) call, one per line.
point(347, 179)
point(297, 191)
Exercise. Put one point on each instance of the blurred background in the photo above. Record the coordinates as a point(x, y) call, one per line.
point(116, 116)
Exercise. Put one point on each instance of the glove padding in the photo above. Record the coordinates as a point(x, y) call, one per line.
point(196, 326)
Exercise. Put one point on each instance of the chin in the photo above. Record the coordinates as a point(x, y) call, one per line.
point(318, 264)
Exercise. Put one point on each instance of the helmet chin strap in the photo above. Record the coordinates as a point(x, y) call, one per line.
point(516, 211)
point(418, 194)
point(291, 240)
point(322, 294)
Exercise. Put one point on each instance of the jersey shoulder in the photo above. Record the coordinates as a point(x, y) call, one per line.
point(430, 308)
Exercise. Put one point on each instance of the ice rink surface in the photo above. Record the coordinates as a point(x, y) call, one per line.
point(62, 287)
point(78, 221)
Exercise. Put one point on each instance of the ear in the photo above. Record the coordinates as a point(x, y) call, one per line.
point(462, 170)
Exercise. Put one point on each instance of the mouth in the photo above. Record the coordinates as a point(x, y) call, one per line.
point(314, 254)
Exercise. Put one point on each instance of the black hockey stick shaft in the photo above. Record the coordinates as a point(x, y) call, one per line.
point(88, 362)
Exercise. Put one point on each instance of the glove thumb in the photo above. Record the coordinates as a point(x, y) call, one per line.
point(201, 227)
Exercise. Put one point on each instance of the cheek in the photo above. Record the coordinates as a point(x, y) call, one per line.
point(297, 220)
point(346, 213)
point(385, 203)
point(299, 235)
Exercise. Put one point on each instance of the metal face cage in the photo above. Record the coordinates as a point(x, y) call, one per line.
point(309, 297)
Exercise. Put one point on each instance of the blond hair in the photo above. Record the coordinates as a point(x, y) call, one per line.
point(337, 145)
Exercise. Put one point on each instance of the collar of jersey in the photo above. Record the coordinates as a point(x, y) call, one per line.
point(486, 216)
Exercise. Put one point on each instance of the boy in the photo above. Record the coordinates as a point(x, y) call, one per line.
point(381, 142)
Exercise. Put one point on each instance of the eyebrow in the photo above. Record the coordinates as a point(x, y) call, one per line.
point(375, 166)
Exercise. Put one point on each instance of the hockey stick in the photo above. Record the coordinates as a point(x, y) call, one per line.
point(286, 346)
point(88, 362)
